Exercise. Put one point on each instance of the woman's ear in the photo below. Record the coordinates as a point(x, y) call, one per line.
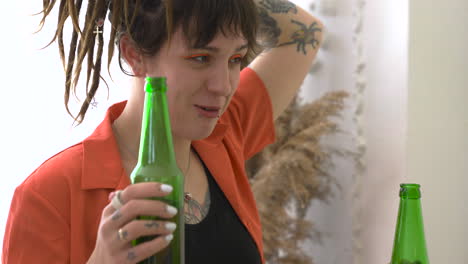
point(132, 56)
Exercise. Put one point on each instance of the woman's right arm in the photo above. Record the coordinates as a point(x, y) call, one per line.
point(37, 232)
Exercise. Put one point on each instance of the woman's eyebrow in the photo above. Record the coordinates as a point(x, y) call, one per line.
point(216, 49)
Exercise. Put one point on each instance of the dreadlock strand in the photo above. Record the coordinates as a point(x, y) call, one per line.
point(101, 51)
point(89, 54)
point(90, 62)
point(99, 11)
point(126, 15)
point(74, 14)
point(69, 69)
point(70, 83)
point(85, 42)
point(47, 7)
point(89, 12)
point(129, 23)
point(74, 40)
point(169, 14)
point(96, 7)
point(72, 51)
point(135, 13)
point(114, 21)
point(71, 60)
point(45, 3)
point(61, 48)
point(90, 58)
point(63, 15)
point(95, 82)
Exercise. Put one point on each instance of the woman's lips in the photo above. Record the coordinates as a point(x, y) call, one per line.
point(208, 111)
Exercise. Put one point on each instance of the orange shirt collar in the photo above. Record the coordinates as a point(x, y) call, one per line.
point(102, 166)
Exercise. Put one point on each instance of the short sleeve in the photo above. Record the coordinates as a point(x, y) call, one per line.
point(35, 232)
point(251, 113)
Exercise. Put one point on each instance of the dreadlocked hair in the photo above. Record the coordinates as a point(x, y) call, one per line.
point(148, 23)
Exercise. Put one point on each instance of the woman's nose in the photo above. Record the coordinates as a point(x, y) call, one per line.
point(220, 82)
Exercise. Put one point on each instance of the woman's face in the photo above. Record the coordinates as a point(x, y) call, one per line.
point(201, 81)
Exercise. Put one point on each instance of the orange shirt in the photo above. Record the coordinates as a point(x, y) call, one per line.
point(55, 212)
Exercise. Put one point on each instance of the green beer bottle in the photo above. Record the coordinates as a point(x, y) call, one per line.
point(157, 163)
point(409, 244)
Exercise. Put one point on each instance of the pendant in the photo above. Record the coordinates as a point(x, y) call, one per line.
point(187, 197)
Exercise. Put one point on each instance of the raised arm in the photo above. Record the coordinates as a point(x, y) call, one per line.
point(292, 37)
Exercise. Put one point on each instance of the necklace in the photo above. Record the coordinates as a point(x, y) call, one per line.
point(187, 195)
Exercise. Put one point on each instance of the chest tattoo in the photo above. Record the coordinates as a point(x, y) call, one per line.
point(194, 211)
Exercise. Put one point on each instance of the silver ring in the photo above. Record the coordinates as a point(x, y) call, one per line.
point(122, 234)
point(117, 200)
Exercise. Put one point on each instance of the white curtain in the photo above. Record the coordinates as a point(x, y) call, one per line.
point(365, 54)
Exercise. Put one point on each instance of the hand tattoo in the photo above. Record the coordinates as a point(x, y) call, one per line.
point(305, 35)
point(131, 255)
point(116, 215)
point(152, 224)
point(279, 6)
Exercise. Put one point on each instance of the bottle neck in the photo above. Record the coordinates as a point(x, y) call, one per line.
point(156, 145)
point(409, 242)
point(410, 191)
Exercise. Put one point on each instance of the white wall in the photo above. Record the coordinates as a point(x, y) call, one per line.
point(34, 123)
point(437, 144)
point(385, 45)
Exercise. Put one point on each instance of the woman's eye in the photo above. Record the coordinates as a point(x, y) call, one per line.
point(236, 59)
point(199, 58)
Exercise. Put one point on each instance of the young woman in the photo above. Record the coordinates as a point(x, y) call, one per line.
point(221, 114)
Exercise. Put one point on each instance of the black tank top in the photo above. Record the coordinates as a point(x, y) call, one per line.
point(220, 237)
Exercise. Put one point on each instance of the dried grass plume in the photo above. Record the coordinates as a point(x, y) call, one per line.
point(289, 174)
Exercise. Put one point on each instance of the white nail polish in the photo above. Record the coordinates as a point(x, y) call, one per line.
point(169, 237)
point(171, 210)
point(166, 188)
point(170, 226)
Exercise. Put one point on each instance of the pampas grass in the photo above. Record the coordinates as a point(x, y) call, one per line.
point(289, 174)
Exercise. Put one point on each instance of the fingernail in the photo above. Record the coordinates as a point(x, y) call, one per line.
point(170, 226)
point(166, 188)
point(111, 195)
point(171, 210)
point(169, 237)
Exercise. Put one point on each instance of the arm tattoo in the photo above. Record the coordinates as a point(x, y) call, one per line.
point(194, 211)
point(279, 6)
point(303, 36)
point(269, 30)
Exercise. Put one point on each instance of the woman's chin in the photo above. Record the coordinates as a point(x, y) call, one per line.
point(198, 133)
point(202, 134)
